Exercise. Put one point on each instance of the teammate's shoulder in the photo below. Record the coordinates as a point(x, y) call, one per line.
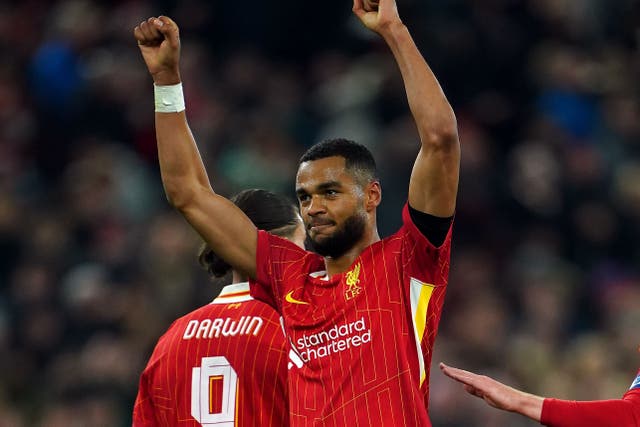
point(195, 314)
point(635, 385)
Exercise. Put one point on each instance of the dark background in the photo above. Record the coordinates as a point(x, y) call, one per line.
point(94, 265)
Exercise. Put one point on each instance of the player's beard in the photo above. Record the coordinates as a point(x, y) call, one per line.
point(343, 239)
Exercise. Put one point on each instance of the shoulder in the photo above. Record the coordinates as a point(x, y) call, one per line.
point(281, 249)
point(271, 240)
point(633, 394)
point(414, 254)
point(421, 235)
point(174, 331)
point(177, 327)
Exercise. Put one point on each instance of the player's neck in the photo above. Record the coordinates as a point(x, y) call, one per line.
point(238, 277)
point(342, 263)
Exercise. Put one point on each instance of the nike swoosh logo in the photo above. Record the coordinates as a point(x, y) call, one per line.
point(292, 300)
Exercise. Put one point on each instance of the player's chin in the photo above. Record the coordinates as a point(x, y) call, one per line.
point(320, 238)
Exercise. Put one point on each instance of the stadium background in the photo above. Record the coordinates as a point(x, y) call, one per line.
point(94, 265)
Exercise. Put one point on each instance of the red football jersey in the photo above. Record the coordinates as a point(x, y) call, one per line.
point(623, 412)
point(361, 341)
point(222, 365)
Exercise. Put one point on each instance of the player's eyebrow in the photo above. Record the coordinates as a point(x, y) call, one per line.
point(320, 187)
point(327, 185)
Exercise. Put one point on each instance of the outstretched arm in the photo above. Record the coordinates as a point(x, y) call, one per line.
point(623, 412)
point(220, 223)
point(495, 393)
point(601, 413)
point(434, 179)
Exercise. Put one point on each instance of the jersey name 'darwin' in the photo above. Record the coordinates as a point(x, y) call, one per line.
point(226, 327)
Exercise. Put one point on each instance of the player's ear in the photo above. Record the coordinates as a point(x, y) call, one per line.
point(373, 195)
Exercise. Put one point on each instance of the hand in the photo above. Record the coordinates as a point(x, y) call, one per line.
point(377, 15)
point(495, 393)
point(159, 42)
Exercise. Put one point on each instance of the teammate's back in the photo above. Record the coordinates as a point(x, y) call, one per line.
point(224, 364)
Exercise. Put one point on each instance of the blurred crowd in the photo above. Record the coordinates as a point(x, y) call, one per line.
point(94, 265)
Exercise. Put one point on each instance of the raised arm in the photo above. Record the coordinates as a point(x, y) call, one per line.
point(434, 179)
point(221, 224)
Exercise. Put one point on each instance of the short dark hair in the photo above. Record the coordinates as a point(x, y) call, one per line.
point(267, 210)
point(358, 158)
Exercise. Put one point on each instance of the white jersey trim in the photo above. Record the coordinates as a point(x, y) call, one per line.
point(636, 383)
point(322, 275)
point(236, 292)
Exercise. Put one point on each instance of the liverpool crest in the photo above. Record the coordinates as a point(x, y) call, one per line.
point(352, 279)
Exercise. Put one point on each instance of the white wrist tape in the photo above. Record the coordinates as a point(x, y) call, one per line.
point(168, 99)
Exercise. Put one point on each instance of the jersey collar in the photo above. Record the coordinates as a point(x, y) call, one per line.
point(236, 292)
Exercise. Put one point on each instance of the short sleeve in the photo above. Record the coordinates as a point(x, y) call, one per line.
point(276, 259)
point(415, 232)
point(422, 260)
point(262, 287)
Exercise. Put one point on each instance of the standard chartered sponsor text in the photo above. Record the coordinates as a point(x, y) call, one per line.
point(336, 339)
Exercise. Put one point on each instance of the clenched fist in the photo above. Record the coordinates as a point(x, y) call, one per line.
point(159, 42)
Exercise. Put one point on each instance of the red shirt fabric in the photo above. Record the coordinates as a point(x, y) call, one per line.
point(623, 412)
point(361, 341)
point(222, 365)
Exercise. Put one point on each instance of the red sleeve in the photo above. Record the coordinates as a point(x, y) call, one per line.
point(423, 260)
point(623, 412)
point(262, 288)
point(276, 258)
